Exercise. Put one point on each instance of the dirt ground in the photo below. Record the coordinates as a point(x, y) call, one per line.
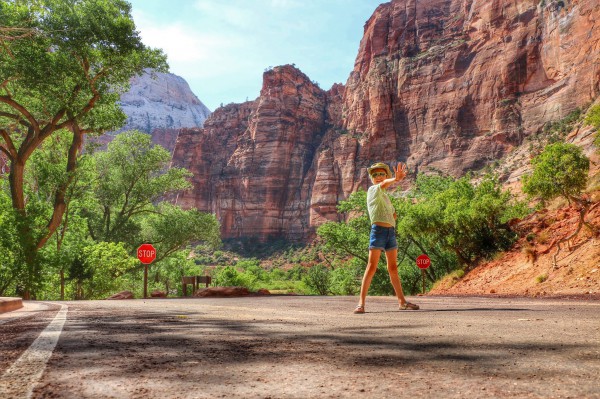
point(527, 269)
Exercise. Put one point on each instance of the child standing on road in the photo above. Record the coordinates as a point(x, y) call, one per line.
point(383, 234)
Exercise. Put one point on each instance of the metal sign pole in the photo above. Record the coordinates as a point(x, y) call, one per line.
point(145, 281)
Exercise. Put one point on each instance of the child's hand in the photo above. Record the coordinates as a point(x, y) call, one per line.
point(401, 171)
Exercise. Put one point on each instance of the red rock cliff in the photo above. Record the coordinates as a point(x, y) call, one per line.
point(251, 161)
point(445, 84)
point(452, 84)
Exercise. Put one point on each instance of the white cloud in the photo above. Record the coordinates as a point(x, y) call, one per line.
point(196, 52)
point(222, 47)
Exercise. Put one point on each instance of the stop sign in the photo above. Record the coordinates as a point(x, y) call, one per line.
point(146, 253)
point(423, 261)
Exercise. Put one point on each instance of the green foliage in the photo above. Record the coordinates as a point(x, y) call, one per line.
point(168, 227)
point(10, 252)
point(454, 221)
point(229, 276)
point(63, 65)
point(560, 170)
point(296, 273)
point(166, 275)
point(468, 220)
point(60, 54)
point(132, 177)
point(352, 237)
point(556, 131)
point(171, 228)
point(593, 118)
point(346, 279)
point(99, 272)
point(318, 279)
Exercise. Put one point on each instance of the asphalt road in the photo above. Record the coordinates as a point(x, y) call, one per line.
point(302, 347)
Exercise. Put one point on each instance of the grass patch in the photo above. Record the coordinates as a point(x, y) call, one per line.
point(541, 278)
point(449, 280)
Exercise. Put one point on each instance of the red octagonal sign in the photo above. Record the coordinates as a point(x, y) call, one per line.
point(146, 253)
point(423, 261)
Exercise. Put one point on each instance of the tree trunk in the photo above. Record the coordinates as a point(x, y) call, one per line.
point(584, 207)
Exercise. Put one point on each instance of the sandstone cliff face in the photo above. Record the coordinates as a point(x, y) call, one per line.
point(453, 84)
point(444, 84)
point(251, 161)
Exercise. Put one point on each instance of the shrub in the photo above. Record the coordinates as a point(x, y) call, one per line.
point(229, 277)
point(593, 118)
point(346, 279)
point(318, 280)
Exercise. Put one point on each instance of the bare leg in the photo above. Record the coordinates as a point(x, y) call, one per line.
point(374, 255)
point(391, 257)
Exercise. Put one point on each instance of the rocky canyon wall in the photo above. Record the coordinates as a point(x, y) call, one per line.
point(440, 84)
point(453, 84)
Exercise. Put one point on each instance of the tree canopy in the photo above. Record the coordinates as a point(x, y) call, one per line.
point(63, 66)
point(560, 170)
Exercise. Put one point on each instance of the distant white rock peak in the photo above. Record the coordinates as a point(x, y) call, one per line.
point(161, 100)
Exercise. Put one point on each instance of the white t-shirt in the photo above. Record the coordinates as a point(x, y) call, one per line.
point(380, 206)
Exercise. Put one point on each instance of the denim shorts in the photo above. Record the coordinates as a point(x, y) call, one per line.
point(383, 238)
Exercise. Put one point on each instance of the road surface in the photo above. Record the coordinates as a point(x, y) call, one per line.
point(302, 347)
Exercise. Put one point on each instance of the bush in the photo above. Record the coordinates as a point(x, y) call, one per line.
point(296, 273)
point(317, 280)
point(346, 279)
point(593, 118)
point(229, 277)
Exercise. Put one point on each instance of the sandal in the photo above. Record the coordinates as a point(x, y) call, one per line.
point(359, 309)
point(409, 306)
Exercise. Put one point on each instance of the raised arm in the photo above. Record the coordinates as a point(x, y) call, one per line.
point(400, 173)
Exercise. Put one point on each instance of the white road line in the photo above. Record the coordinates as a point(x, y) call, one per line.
point(19, 380)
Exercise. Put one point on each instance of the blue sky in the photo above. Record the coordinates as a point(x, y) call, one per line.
point(222, 47)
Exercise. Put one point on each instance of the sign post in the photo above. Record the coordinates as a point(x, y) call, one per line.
point(146, 254)
point(423, 262)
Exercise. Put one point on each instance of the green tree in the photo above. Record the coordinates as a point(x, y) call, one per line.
point(132, 177)
point(10, 254)
point(593, 118)
point(170, 228)
point(561, 170)
point(318, 279)
point(63, 65)
point(132, 182)
point(101, 270)
point(470, 220)
point(454, 221)
point(46, 172)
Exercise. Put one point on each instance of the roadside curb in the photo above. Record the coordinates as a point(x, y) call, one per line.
point(10, 304)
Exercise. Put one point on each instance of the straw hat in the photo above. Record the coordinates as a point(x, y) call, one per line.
point(380, 165)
